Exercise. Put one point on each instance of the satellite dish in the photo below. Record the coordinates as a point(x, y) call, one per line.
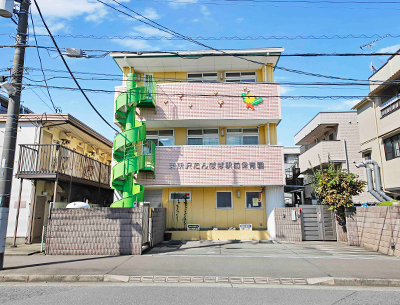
point(6, 8)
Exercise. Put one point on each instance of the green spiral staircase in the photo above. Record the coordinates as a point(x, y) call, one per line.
point(131, 150)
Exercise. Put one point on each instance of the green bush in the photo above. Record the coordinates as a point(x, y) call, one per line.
point(385, 204)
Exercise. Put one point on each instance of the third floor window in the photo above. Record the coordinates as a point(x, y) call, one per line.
point(206, 77)
point(241, 77)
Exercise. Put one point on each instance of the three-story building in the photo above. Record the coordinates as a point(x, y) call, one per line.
point(218, 167)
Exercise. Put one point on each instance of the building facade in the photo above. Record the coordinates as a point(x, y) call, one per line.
point(58, 159)
point(331, 136)
point(379, 124)
point(217, 162)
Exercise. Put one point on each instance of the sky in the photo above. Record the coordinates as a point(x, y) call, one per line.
point(206, 18)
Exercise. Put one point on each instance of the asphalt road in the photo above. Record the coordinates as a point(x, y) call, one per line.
point(200, 294)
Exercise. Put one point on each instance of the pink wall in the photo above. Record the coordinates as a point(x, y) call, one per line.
point(205, 106)
point(168, 159)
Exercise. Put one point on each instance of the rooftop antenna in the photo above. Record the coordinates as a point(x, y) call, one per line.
point(370, 47)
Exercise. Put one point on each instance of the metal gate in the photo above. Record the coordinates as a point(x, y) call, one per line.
point(318, 223)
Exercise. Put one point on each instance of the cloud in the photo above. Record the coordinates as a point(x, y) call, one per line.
point(55, 27)
point(205, 11)
point(391, 49)
point(239, 20)
point(175, 4)
point(151, 13)
point(195, 20)
point(137, 45)
point(285, 90)
point(148, 31)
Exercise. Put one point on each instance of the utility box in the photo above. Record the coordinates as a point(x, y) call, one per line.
point(6, 8)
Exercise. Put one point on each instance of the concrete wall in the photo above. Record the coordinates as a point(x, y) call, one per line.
point(374, 228)
point(96, 231)
point(158, 216)
point(287, 229)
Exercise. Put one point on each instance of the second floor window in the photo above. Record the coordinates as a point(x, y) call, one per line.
point(164, 137)
point(242, 136)
point(392, 147)
point(240, 77)
point(207, 136)
point(206, 77)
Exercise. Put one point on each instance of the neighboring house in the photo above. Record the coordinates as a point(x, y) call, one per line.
point(214, 127)
point(378, 118)
point(55, 151)
point(294, 179)
point(331, 136)
point(4, 106)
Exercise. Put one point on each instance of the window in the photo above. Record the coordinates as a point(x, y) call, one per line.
point(392, 147)
point(180, 196)
point(224, 200)
point(240, 77)
point(209, 136)
point(367, 156)
point(242, 136)
point(164, 137)
point(207, 77)
point(253, 200)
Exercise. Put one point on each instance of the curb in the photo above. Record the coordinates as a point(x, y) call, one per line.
point(110, 278)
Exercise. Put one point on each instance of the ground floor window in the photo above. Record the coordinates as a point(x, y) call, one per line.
point(224, 200)
point(180, 196)
point(253, 200)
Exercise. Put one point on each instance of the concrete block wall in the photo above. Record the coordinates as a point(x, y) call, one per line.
point(374, 228)
point(159, 223)
point(95, 231)
point(286, 228)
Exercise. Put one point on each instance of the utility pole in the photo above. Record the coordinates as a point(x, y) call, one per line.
point(10, 135)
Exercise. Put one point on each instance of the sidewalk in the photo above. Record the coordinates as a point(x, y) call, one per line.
point(307, 263)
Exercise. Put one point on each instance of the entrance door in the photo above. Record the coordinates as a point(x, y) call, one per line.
point(38, 218)
point(318, 223)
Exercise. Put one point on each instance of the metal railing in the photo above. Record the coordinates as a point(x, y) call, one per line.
point(45, 159)
point(390, 105)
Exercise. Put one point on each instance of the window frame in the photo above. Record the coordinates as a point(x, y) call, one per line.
point(391, 141)
point(179, 192)
point(203, 78)
point(241, 134)
point(253, 208)
point(157, 137)
point(241, 78)
point(216, 200)
point(202, 136)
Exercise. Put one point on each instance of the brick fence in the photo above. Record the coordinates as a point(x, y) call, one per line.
point(286, 228)
point(374, 228)
point(100, 231)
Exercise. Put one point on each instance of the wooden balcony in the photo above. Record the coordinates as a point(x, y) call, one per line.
point(47, 161)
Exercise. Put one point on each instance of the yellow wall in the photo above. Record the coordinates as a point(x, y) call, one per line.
point(180, 136)
point(202, 210)
point(78, 145)
point(273, 137)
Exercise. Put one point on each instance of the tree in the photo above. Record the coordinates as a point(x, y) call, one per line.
point(335, 187)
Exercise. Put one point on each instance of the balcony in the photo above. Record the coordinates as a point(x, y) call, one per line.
point(183, 102)
point(197, 165)
point(322, 153)
point(390, 106)
point(46, 161)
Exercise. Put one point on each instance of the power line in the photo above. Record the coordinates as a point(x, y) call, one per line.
point(56, 109)
point(66, 65)
point(221, 95)
point(260, 37)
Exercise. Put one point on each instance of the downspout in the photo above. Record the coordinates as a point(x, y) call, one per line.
point(378, 184)
point(369, 182)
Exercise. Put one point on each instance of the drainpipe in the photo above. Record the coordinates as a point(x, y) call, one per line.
point(378, 184)
point(370, 184)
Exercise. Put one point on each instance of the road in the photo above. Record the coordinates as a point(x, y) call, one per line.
point(193, 294)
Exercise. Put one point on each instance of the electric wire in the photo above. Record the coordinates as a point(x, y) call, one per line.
point(70, 72)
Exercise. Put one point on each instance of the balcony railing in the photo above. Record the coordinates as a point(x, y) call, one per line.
point(37, 160)
point(390, 105)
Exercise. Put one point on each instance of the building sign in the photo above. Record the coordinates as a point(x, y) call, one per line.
point(217, 165)
point(246, 227)
point(193, 227)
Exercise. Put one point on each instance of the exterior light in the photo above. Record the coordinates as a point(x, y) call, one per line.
point(6, 8)
point(8, 88)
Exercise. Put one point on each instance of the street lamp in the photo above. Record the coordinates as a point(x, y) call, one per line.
point(6, 8)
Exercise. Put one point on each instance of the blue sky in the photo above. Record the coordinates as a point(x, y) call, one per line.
point(209, 18)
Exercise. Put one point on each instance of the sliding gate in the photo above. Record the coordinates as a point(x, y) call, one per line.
point(318, 223)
